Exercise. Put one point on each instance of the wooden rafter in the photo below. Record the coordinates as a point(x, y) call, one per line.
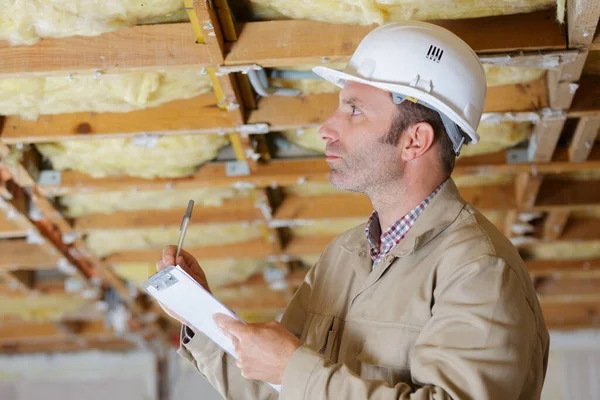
point(286, 172)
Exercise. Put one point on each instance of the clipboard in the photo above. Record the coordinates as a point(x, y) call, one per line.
point(179, 292)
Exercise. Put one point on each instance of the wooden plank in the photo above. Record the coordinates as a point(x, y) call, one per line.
point(194, 116)
point(568, 289)
point(545, 138)
point(527, 187)
point(304, 42)
point(584, 138)
point(212, 34)
point(561, 193)
point(291, 171)
point(560, 93)
point(136, 48)
point(232, 210)
point(67, 345)
point(572, 316)
point(582, 19)
point(255, 248)
point(554, 224)
point(563, 268)
point(17, 253)
point(47, 331)
point(586, 102)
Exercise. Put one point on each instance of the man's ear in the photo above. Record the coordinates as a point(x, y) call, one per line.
point(417, 139)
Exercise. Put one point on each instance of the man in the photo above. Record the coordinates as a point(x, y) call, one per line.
point(428, 300)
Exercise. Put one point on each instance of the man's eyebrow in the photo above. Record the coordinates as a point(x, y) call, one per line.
point(352, 101)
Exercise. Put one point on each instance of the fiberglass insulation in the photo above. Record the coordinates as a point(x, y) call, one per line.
point(27, 21)
point(367, 12)
point(494, 137)
point(44, 307)
point(123, 92)
point(496, 76)
point(218, 272)
point(107, 241)
point(166, 157)
point(109, 202)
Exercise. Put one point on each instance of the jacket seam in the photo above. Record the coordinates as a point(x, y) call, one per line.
point(413, 327)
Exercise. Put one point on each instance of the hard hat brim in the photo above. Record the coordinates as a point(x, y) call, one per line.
point(339, 78)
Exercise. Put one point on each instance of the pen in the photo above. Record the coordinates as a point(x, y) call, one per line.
point(183, 228)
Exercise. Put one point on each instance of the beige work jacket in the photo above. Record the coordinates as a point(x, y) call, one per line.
point(450, 313)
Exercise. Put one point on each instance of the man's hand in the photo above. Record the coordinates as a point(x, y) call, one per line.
point(189, 264)
point(264, 349)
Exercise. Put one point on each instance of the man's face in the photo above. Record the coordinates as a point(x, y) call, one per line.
point(360, 161)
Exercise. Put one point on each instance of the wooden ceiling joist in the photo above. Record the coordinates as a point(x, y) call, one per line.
point(200, 115)
point(19, 254)
point(232, 210)
point(286, 172)
point(136, 48)
point(304, 42)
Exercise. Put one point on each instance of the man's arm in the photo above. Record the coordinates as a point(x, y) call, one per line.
point(220, 368)
point(477, 345)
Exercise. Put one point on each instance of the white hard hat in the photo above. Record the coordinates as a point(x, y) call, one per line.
point(426, 64)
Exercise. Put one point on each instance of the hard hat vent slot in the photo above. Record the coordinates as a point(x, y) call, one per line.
point(434, 53)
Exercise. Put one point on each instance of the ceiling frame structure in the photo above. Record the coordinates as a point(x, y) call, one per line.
point(225, 49)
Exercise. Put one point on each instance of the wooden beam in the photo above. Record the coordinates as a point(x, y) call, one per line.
point(304, 42)
point(527, 187)
point(554, 224)
point(584, 138)
point(18, 254)
point(232, 210)
point(175, 118)
point(68, 345)
point(582, 19)
point(545, 138)
point(255, 248)
point(568, 290)
point(285, 172)
point(194, 116)
point(579, 315)
point(567, 194)
point(47, 331)
point(136, 48)
point(581, 229)
point(563, 268)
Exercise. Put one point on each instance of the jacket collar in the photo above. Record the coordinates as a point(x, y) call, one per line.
point(439, 214)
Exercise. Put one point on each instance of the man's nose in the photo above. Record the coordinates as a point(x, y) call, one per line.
point(328, 131)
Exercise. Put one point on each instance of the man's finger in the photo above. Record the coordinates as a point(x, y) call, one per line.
point(229, 325)
point(168, 255)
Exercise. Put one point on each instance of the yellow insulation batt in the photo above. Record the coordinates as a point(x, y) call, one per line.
point(165, 157)
point(108, 241)
point(496, 76)
point(563, 250)
point(218, 272)
point(45, 307)
point(495, 136)
point(109, 202)
point(27, 21)
point(31, 97)
point(367, 12)
point(591, 212)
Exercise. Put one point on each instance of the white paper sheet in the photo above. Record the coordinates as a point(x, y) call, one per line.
point(175, 289)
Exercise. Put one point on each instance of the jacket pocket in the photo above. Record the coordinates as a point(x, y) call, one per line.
point(320, 334)
point(385, 355)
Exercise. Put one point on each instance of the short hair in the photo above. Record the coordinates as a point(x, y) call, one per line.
point(409, 114)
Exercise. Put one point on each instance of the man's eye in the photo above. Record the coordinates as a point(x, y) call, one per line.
point(355, 111)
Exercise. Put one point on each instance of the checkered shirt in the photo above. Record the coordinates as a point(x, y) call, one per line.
point(382, 243)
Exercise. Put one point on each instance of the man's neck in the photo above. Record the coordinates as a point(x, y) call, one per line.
point(397, 200)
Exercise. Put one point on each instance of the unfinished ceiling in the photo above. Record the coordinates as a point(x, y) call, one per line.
point(114, 117)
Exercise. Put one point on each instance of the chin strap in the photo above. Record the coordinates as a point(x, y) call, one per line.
point(457, 138)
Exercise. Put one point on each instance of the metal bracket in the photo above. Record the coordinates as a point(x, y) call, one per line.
point(517, 156)
point(50, 178)
point(237, 168)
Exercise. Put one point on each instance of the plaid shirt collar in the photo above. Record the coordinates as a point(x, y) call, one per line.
point(382, 243)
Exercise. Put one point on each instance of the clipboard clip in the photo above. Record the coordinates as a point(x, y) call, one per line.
point(162, 279)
